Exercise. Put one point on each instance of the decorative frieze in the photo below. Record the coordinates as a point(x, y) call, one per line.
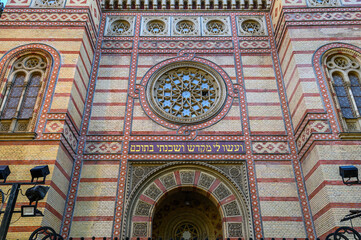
point(186, 44)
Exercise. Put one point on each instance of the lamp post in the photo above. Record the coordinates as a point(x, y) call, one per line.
point(34, 194)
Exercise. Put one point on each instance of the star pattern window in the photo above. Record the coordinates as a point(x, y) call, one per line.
point(156, 27)
point(120, 27)
point(186, 231)
point(185, 27)
point(186, 94)
point(216, 27)
point(251, 26)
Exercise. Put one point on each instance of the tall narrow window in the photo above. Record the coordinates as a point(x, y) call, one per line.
point(20, 93)
point(345, 74)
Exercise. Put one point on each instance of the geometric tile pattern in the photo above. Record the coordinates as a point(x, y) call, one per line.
point(51, 17)
point(270, 147)
point(69, 136)
point(117, 44)
point(103, 147)
point(185, 44)
point(254, 44)
point(55, 126)
point(321, 16)
point(314, 126)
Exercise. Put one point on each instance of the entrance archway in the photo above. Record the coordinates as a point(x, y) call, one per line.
point(174, 181)
point(186, 213)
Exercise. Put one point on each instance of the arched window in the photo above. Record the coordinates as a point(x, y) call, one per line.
point(345, 74)
point(20, 93)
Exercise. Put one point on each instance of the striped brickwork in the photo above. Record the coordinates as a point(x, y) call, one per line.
point(95, 203)
point(280, 207)
point(94, 108)
point(65, 38)
point(314, 117)
point(107, 115)
point(263, 102)
point(330, 200)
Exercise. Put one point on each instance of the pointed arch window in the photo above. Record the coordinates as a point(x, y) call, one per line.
point(345, 73)
point(21, 93)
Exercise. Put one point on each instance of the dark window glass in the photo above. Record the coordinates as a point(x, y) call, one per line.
point(342, 96)
point(14, 96)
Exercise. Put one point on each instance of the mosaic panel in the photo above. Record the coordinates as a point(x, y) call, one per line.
point(316, 126)
point(103, 147)
point(270, 147)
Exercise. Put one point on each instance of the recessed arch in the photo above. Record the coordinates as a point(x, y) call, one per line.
point(231, 201)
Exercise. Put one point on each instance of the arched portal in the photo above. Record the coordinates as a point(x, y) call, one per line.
point(186, 213)
point(158, 204)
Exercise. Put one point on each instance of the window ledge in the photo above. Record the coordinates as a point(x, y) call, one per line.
point(350, 135)
point(18, 136)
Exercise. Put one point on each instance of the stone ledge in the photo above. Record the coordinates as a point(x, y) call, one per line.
point(350, 135)
point(18, 136)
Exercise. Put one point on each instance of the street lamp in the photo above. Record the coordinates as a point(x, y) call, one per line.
point(34, 194)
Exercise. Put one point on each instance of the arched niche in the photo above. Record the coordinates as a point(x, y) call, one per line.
point(199, 178)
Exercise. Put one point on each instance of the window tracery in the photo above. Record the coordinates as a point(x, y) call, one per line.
point(186, 94)
point(21, 93)
point(185, 27)
point(216, 27)
point(156, 27)
point(345, 74)
point(120, 27)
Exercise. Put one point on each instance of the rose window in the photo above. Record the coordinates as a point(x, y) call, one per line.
point(120, 26)
point(216, 27)
point(185, 27)
point(156, 27)
point(251, 26)
point(186, 94)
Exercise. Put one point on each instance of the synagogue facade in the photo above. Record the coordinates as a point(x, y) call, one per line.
point(187, 119)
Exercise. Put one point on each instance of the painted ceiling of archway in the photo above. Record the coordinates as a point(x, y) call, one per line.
point(189, 204)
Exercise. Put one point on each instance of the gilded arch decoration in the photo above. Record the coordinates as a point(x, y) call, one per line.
point(233, 202)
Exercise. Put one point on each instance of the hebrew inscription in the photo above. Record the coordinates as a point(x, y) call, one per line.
point(187, 147)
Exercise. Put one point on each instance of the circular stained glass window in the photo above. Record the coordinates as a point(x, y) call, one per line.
point(120, 26)
point(216, 27)
point(186, 93)
point(156, 27)
point(251, 26)
point(185, 27)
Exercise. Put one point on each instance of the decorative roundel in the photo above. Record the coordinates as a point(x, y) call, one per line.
point(216, 27)
point(342, 62)
point(186, 93)
point(120, 26)
point(156, 26)
point(185, 27)
point(251, 26)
